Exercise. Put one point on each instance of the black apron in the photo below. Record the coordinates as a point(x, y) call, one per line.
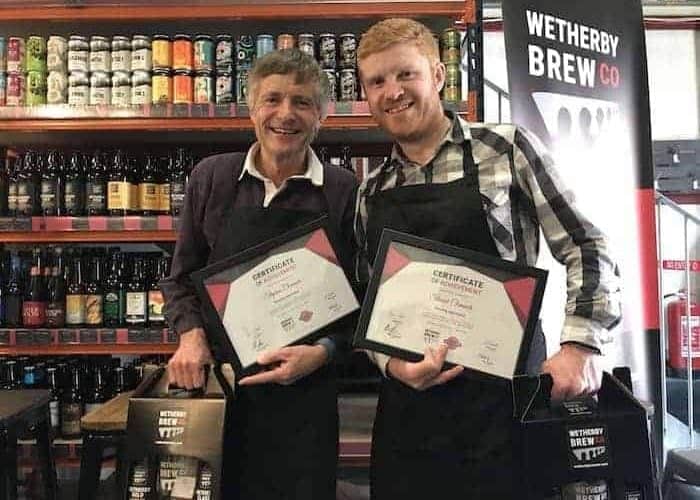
point(282, 441)
point(452, 440)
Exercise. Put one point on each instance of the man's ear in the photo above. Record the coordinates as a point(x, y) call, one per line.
point(439, 76)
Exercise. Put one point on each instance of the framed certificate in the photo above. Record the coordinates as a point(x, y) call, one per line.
point(281, 292)
point(423, 293)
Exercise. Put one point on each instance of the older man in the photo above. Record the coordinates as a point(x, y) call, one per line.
point(284, 429)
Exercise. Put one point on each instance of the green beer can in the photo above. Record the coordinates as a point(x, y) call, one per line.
point(36, 53)
point(450, 42)
point(36, 88)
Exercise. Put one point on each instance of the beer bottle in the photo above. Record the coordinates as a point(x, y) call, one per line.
point(114, 294)
point(164, 165)
point(99, 394)
point(55, 397)
point(149, 201)
point(74, 186)
point(120, 381)
point(72, 407)
point(96, 186)
point(93, 292)
point(75, 295)
point(50, 170)
point(119, 201)
point(56, 299)
point(4, 182)
point(34, 305)
point(12, 182)
point(156, 302)
point(136, 295)
point(28, 186)
point(178, 181)
point(12, 380)
point(13, 294)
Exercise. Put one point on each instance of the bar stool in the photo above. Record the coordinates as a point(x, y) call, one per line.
point(22, 410)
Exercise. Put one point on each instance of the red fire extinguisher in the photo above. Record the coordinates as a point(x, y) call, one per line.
point(677, 321)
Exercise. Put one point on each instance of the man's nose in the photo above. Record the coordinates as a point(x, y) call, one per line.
point(394, 90)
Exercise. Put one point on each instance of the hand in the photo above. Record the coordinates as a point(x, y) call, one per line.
point(425, 373)
point(186, 367)
point(576, 371)
point(287, 365)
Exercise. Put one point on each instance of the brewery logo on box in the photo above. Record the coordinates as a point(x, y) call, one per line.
point(171, 426)
point(588, 446)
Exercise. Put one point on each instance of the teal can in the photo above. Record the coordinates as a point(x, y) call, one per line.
point(203, 53)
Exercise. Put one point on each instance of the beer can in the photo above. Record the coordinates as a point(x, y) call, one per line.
point(450, 43)
point(245, 51)
point(331, 84)
point(182, 53)
point(121, 89)
point(162, 50)
point(264, 44)
point(348, 51)
point(36, 88)
point(453, 83)
point(348, 85)
point(242, 86)
point(327, 51)
point(203, 53)
point(141, 90)
point(3, 88)
point(78, 88)
point(57, 88)
point(204, 87)
point(585, 490)
point(3, 54)
point(78, 53)
point(100, 88)
point(224, 53)
point(36, 53)
point(16, 89)
point(305, 42)
point(224, 88)
point(16, 55)
point(121, 53)
point(57, 54)
point(286, 41)
point(141, 53)
point(100, 54)
point(183, 87)
point(161, 87)
point(452, 93)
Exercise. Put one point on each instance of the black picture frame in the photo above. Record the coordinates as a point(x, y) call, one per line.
point(485, 264)
point(223, 348)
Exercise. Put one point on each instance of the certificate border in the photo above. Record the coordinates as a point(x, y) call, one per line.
point(390, 236)
point(225, 351)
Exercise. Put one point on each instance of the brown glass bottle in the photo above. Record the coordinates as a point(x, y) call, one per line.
point(94, 315)
point(74, 186)
point(119, 187)
point(149, 187)
point(34, 304)
point(72, 407)
point(96, 186)
point(56, 293)
point(136, 295)
point(75, 295)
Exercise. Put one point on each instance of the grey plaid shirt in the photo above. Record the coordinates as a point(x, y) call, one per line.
point(521, 193)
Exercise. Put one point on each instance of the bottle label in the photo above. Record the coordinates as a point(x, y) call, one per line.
point(136, 307)
point(25, 198)
point(12, 197)
point(113, 307)
point(53, 413)
point(148, 196)
point(164, 198)
point(70, 418)
point(119, 195)
point(96, 196)
point(155, 306)
point(48, 195)
point(93, 309)
point(33, 313)
point(75, 309)
point(56, 314)
point(73, 196)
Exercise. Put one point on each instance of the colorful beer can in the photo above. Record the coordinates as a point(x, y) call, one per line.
point(203, 53)
point(327, 51)
point(121, 89)
point(121, 53)
point(183, 87)
point(348, 51)
point(331, 84)
point(224, 53)
point(16, 89)
point(452, 93)
point(348, 85)
point(100, 88)
point(141, 54)
point(286, 41)
point(204, 87)
point(57, 54)
point(16, 55)
point(78, 88)
point(242, 86)
point(162, 87)
point(78, 53)
point(57, 88)
point(306, 44)
point(141, 89)
point(3, 88)
point(245, 51)
point(3, 54)
point(36, 53)
point(224, 88)
point(162, 52)
point(450, 43)
point(264, 44)
point(36, 88)
point(182, 53)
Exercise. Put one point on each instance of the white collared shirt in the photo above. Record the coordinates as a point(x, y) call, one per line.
point(314, 173)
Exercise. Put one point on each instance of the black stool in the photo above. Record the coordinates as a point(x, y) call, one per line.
point(22, 410)
point(682, 464)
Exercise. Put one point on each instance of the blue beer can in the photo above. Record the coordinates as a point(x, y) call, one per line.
point(203, 53)
point(264, 44)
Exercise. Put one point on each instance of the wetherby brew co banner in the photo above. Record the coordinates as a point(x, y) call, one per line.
point(578, 79)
